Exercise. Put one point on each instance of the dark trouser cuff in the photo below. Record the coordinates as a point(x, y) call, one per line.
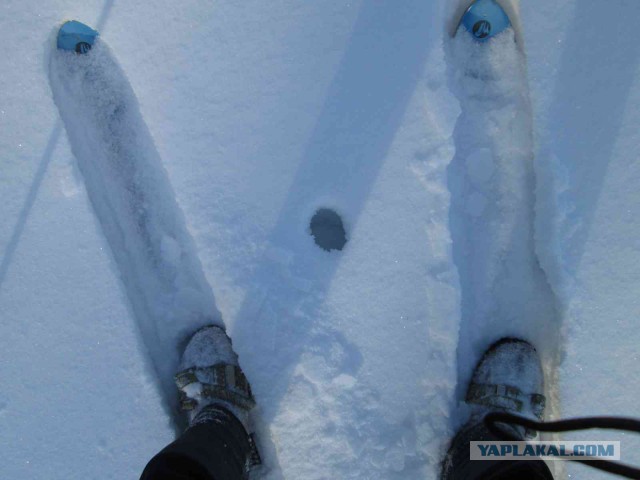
point(217, 449)
point(458, 465)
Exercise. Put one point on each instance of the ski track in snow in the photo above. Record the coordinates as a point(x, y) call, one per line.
point(136, 207)
point(491, 178)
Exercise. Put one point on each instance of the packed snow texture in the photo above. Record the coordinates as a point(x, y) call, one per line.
point(231, 124)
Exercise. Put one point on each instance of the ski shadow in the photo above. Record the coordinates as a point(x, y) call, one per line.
point(32, 194)
point(364, 107)
point(584, 123)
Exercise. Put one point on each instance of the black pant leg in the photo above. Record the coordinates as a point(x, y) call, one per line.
point(216, 447)
point(458, 465)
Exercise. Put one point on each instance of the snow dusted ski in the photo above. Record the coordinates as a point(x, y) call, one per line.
point(132, 198)
point(491, 178)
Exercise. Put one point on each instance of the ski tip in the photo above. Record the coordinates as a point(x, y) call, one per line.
point(485, 19)
point(74, 36)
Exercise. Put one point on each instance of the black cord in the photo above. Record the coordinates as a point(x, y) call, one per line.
point(586, 423)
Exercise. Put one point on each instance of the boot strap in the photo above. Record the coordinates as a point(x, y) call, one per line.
point(221, 381)
point(505, 397)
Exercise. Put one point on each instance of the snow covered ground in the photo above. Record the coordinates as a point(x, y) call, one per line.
point(262, 112)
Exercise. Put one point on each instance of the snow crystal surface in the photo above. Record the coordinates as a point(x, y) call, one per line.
point(484, 192)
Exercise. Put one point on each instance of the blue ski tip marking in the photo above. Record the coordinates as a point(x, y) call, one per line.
point(485, 19)
point(76, 37)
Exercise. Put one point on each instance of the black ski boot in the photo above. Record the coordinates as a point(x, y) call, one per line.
point(217, 398)
point(508, 378)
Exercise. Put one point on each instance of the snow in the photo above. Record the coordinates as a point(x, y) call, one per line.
point(245, 118)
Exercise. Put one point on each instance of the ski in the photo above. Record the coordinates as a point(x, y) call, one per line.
point(491, 178)
point(132, 198)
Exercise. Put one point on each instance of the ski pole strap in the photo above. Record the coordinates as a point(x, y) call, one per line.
point(221, 381)
point(586, 423)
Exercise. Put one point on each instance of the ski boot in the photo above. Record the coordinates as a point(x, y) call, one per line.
point(508, 378)
point(213, 387)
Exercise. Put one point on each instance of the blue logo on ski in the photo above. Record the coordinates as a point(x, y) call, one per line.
point(485, 19)
point(76, 37)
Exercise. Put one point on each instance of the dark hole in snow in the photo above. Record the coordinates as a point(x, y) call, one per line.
point(327, 230)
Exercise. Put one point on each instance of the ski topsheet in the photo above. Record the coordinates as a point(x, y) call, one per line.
point(132, 198)
point(492, 184)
